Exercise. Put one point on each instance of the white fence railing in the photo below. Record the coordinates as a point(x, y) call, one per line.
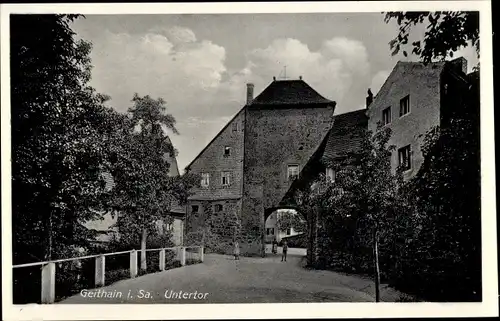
point(49, 267)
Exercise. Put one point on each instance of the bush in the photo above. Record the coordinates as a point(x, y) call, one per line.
point(117, 275)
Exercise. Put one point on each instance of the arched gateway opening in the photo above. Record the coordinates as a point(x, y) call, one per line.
point(285, 223)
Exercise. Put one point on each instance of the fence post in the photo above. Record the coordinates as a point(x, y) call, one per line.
point(182, 254)
point(100, 267)
point(49, 283)
point(201, 253)
point(133, 264)
point(162, 260)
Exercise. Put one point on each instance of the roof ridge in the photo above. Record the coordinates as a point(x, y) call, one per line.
point(289, 92)
point(350, 112)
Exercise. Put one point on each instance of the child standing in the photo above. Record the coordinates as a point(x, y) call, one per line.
point(285, 249)
point(236, 250)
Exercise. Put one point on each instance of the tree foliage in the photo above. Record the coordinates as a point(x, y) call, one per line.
point(446, 32)
point(429, 227)
point(363, 199)
point(447, 196)
point(290, 220)
point(57, 122)
point(144, 191)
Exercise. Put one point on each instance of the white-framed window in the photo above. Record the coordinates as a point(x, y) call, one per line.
point(218, 208)
point(169, 227)
point(404, 106)
point(205, 179)
point(386, 116)
point(227, 151)
point(225, 178)
point(404, 157)
point(330, 174)
point(293, 172)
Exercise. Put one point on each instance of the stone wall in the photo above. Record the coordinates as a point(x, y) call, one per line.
point(217, 226)
point(213, 161)
point(275, 138)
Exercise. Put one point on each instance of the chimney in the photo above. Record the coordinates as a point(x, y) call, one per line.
point(459, 65)
point(369, 98)
point(300, 77)
point(249, 93)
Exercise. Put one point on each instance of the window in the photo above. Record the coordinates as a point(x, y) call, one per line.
point(205, 179)
point(195, 208)
point(404, 106)
point(235, 126)
point(218, 208)
point(225, 179)
point(404, 155)
point(386, 116)
point(169, 226)
point(330, 174)
point(270, 231)
point(288, 231)
point(227, 151)
point(293, 172)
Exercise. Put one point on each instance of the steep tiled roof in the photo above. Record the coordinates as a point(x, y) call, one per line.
point(289, 92)
point(346, 134)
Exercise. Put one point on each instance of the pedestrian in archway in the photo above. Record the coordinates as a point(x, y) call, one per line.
point(236, 250)
point(285, 249)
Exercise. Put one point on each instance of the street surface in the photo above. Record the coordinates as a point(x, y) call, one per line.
point(221, 279)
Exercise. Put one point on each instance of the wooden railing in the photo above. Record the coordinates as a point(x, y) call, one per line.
point(49, 267)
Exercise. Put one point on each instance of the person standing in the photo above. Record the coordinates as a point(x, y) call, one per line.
point(285, 249)
point(236, 250)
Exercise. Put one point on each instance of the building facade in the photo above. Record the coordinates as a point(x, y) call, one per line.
point(414, 99)
point(285, 137)
point(250, 165)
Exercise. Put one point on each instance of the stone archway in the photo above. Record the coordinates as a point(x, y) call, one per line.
point(273, 232)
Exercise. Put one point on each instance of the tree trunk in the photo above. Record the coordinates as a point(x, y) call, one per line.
point(377, 269)
point(143, 248)
point(48, 250)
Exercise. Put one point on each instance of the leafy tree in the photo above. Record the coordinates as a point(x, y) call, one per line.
point(447, 193)
point(57, 121)
point(144, 191)
point(357, 209)
point(446, 32)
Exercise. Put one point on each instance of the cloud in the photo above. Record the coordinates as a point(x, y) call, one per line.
point(180, 34)
point(378, 80)
point(331, 70)
point(158, 64)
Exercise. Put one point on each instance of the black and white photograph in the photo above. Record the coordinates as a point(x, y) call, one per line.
point(175, 155)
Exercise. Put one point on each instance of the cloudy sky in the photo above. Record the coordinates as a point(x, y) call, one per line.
point(199, 64)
